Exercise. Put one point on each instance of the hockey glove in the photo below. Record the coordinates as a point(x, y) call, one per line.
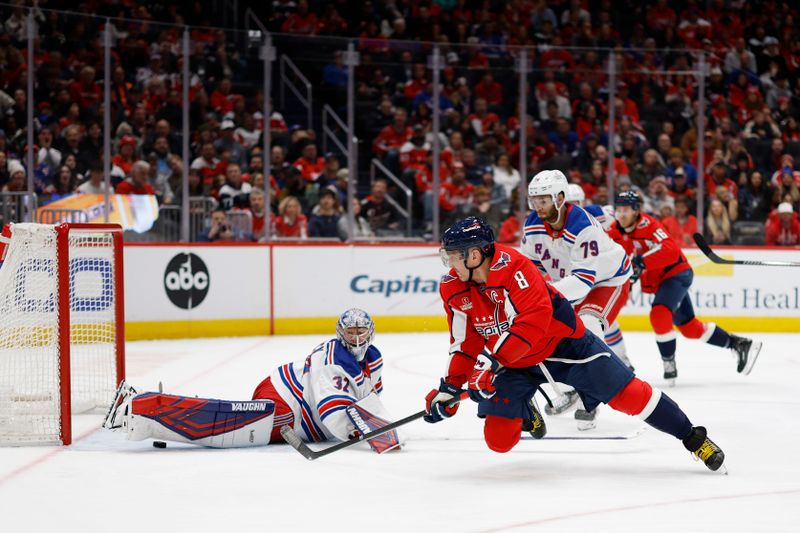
point(435, 400)
point(481, 383)
point(637, 264)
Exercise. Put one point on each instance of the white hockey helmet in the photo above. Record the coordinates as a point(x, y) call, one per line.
point(547, 182)
point(575, 194)
point(359, 343)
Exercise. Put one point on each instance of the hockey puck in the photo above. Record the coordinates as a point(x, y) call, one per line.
point(159, 444)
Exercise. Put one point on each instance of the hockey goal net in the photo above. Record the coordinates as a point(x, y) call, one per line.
point(61, 328)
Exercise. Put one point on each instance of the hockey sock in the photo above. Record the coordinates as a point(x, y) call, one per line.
point(640, 399)
point(502, 434)
point(615, 341)
point(661, 320)
point(710, 333)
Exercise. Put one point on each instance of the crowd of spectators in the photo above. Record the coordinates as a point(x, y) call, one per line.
point(751, 165)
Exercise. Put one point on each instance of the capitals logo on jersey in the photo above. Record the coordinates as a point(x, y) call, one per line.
point(501, 263)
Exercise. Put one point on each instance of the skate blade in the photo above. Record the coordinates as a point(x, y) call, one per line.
point(670, 382)
point(722, 470)
point(562, 403)
point(755, 349)
point(586, 425)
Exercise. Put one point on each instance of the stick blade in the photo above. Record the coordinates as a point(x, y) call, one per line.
point(295, 442)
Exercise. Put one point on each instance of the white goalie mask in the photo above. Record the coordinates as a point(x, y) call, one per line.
point(355, 330)
point(547, 182)
point(575, 194)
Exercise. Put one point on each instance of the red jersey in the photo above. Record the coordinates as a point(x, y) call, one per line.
point(310, 170)
point(127, 187)
point(662, 254)
point(515, 314)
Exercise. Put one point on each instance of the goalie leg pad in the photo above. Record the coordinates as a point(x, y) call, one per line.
point(202, 421)
point(502, 434)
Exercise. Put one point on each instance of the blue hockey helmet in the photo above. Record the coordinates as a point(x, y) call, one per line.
point(467, 233)
point(629, 198)
point(348, 331)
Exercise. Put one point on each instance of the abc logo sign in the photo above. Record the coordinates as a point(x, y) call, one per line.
point(186, 280)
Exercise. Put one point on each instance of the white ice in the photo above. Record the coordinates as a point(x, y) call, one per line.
point(445, 479)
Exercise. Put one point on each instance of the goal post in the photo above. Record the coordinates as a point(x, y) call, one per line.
point(62, 342)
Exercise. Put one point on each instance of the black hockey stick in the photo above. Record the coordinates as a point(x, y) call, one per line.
point(706, 249)
point(294, 441)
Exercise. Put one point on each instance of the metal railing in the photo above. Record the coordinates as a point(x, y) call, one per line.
point(17, 207)
point(327, 132)
point(307, 100)
point(388, 174)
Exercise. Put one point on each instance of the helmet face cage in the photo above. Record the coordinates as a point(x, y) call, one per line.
point(355, 318)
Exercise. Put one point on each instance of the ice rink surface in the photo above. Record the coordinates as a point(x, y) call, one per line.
point(445, 479)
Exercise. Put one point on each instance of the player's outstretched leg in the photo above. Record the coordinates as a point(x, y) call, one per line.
point(535, 424)
point(638, 398)
point(746, 350)
point(201, 421)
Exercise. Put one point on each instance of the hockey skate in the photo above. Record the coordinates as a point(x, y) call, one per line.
point(585, 419)
point(117, 416)
point(670, 371)
point(705, 449)
point(561, 403)
point(535, 426)
point(624, 359)
point(746, 351)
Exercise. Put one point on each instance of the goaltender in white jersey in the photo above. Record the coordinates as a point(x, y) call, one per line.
point(333, 393)
point(569, 246)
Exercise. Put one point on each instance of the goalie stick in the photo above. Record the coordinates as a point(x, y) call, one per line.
point(295, 442)
point(706, 249)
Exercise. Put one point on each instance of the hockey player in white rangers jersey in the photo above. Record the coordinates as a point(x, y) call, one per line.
point(605, 216)
point(333, 393)
point(570, 247)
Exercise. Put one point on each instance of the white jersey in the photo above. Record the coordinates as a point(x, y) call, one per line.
point(603, 213)
point(578, 257)
point(320, 387)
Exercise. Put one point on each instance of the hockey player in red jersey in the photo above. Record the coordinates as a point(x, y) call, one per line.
point(505, 322)
point(663, 270)
point(331, 394)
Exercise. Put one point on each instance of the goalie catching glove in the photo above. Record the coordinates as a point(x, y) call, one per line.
point(481, 383)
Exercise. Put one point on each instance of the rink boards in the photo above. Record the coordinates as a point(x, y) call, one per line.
point(207, 290)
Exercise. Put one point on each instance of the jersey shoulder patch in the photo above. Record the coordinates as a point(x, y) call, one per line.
point(503, 260)
point(447, 278)
point(577, 221)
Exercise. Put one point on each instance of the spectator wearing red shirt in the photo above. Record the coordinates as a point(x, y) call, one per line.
point(208, 165)
point(309, 163)
point(85, 91)
point(719, 178)
point(125, 158)
point(222, 98)
point(661, 16)
point(291, 222)
point(138, 182)
point(456, 196)
point(391, 138)
point(489, 90)
point(785, 230)
point(417, 83)
point(682, 225)
point(414, 153)
point(301, 21)
point(482, 120)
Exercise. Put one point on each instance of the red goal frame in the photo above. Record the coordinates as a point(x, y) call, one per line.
point(63, 232)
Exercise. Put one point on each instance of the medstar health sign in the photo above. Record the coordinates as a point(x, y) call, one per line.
point(186, 280)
